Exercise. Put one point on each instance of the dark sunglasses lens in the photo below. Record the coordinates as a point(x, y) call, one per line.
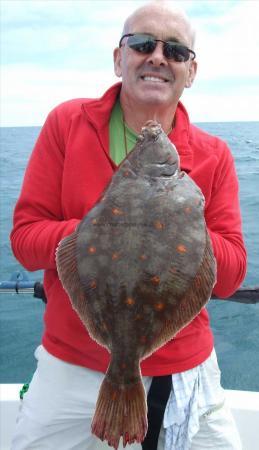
point(177, 52)
point(142, 43)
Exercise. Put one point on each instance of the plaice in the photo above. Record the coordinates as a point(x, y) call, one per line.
point(138, 268)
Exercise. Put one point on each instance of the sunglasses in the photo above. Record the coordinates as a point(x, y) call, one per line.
point(145, 43)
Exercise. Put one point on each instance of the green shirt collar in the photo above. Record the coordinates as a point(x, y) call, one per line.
point(116, 135)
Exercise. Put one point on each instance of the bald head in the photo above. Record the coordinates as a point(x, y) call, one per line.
point(164, 12)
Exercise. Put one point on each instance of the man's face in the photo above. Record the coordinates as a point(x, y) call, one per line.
point(152, 79)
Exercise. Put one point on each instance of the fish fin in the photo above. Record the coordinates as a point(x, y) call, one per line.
point(121, 411)
point(191, 304)
point(68, 274)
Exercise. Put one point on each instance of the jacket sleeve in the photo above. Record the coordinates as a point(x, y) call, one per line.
point(38, 222)
point(223, 219)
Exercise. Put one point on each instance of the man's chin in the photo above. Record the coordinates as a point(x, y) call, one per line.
point(150, 98)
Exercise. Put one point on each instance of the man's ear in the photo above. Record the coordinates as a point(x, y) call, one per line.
point(191, 74)
point(117, 61)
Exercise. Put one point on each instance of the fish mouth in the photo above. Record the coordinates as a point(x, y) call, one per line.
point(168, 162)
point(164, 169)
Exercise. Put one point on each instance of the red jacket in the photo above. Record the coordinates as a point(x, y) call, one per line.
point(68, 170)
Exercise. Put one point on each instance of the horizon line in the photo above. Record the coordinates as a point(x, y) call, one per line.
point(192, 122)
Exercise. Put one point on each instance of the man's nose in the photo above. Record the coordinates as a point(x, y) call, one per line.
point(157, 57)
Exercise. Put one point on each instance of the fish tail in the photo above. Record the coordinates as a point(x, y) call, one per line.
point(121, 411)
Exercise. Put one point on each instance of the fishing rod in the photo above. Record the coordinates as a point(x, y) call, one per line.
point(19, 283)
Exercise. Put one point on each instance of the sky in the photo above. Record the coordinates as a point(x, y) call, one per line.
point(55, 50)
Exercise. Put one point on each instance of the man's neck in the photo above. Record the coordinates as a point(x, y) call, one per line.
point(136, 117)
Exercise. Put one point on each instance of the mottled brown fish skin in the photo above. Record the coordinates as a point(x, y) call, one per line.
point(138, 269)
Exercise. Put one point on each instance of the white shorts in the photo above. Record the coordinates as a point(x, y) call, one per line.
point(56, 413)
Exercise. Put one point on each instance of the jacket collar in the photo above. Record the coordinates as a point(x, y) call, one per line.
point(98, 113)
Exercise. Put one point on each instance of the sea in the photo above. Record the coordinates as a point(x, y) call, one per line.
point(235, 325)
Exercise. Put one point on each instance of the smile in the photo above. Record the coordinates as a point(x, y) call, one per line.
point(154, 79)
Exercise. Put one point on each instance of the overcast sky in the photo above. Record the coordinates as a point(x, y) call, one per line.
point(55, 50)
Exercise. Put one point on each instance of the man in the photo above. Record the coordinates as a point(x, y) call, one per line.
point(72, 162)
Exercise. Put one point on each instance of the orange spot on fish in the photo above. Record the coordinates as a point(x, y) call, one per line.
point(117, 211)
point(155, 280)
point(130, 301)
point(143, 257)
point(94, 221)
point(126, 173)
point(138, 317)
point(93, 284)
point(159, 225)
point(115, 256)
point(114, 395)
point(91, 250)
point(181, 248)
point(188, 209)
point(159, 306)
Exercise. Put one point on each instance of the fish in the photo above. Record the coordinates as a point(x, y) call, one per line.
point(138, 268)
